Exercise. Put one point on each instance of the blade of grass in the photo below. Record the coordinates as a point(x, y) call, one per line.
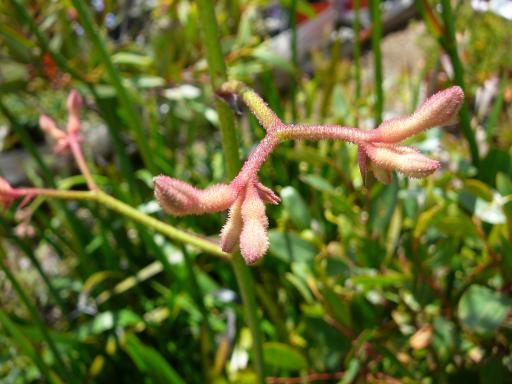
point(357, 54)
point(63, 369)
point(46, 280)
point(217, 67)
point(25, 345)
point(295, 61)
point(376, 17)
point(132, 117)
point(458, 69)
point(112, 124)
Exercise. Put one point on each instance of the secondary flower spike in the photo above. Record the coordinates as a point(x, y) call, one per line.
point(379, 150)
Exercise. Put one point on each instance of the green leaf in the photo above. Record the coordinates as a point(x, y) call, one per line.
point(318, 183)
point(283, 356)
point(483, 310)
point(479, 189)
point(290, 247)
point(272, 59)
point(378, 281)
point(128, 58)
point(295, 208)
point(150, 362)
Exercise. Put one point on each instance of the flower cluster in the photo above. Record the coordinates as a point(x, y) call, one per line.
point(63, 139)
point(245, 197)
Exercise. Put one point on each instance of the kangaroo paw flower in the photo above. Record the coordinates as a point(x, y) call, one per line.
point(230, 233)
point(245, 196)
point(179, 198)
point(439, 109)
point(253, 238)
point(6, 193)
point(401, 158)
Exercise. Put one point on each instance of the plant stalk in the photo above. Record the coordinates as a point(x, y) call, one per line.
point(217, 67)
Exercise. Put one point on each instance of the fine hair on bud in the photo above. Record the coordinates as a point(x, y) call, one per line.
point(253, 238)
point(230, 233)
point(179, 198)
point(440, 109)
point(402, 159)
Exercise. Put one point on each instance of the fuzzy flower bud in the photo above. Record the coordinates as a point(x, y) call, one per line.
point(253, 239)
point(439, 109)
point(6, 195)
point(402, 159)
point(74, 104)
point(179, 198)
point(230, 234)
point(49, 127)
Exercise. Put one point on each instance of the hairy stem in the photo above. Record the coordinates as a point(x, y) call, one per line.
point(128, 211)
point(218, 75)
point(82, 164)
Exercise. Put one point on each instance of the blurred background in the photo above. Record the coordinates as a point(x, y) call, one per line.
point(407, 282)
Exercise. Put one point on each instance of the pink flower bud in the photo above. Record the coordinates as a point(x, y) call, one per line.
point(439, 109)
point(50, 128)
point(6, 193)
point(179, 198)
point(402, 159)
point(74, 104)
point(230, 233)
point(253, 239)
point(267, 195)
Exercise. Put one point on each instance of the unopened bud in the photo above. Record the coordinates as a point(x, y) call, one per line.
point(179, 198)
point(440, 109)
point(74, 104)
point(230, 234)
point(50, 128)
point(6, 196)
point(253, 239)
point(402, 159)
point(267, 195)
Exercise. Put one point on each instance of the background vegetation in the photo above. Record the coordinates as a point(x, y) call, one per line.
point(407, 282)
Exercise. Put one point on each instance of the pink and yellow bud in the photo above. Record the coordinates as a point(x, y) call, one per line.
point(440, 109)
point(253, 238)
point(49, 127)
point(74, 104)
point(402, 159)
point(179, 198)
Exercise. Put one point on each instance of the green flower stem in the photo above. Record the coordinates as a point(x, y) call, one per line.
point(218, 76)
point(357, 50)
point(451, 47)
point(130, 212)
point(82, 164)
point(267, 118)
point(377, 58)
point(132, 116)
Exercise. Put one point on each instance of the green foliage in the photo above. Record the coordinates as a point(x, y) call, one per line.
point(356, 276)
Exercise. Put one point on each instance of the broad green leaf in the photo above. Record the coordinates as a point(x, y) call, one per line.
point(482, 309)
point(283, 356)
point(290, 247)
point(318, 183)
point(128, 58)
point(478, 189)
point(150, 362)
point(295, 207)
point(378, 281)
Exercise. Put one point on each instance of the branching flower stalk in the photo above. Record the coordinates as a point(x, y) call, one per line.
point(379, 151)
point(69, 141)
